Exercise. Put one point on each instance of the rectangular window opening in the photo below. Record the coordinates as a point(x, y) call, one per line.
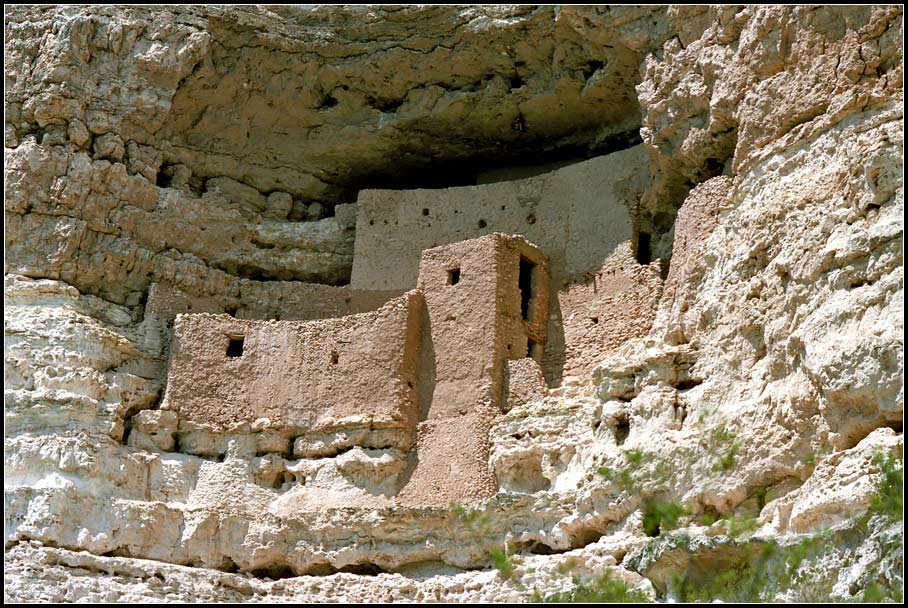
point(526, 281)
point(235, 346)
point(454, 276)
point(644, 255)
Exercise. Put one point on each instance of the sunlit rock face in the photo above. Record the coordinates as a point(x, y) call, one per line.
point(721, 370)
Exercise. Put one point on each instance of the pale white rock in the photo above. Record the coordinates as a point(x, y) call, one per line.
point(198, 147)
point(838, 489)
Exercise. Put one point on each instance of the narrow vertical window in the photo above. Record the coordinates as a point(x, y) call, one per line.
point(644, 255)
point(526, 283)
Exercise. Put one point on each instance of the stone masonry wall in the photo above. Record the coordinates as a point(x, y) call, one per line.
point(593, 314)
point(581, 216)
point(473, 299)
point(300, 377)
point(278, 300)
point(576, 216)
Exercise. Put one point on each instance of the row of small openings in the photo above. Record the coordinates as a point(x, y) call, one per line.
point(531, 218)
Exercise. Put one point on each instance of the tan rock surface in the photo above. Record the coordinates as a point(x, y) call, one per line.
point(215, 152)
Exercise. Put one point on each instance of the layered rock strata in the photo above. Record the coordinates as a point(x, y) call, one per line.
point(215, 151)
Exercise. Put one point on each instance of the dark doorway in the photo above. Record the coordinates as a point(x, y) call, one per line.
point(644, 255)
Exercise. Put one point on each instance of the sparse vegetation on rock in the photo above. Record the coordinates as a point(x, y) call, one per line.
point(710, 408)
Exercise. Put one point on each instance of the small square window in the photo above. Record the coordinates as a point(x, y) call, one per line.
point(235, 346)
point(454, 276)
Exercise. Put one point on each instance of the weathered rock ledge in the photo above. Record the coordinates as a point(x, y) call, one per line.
point(220, 151)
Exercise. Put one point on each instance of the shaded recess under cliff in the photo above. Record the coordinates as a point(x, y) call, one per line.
point(772, 366)
point(321, 110)
point(282, 113)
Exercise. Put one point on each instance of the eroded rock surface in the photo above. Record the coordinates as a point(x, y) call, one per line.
point(219, 152)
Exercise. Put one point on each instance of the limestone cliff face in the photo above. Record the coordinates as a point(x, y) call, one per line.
point(218, 151)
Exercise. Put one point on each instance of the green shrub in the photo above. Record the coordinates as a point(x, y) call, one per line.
point(469, 514)
point(766, 570)
point(708, 519)
point(603, 590)
point(623, 478)
point(503, 563)
point(888, 500)
point(760, 494)
point(876, 593)
point(660, 516)
point(725, 444)
point(741, 525)
point(644, 474)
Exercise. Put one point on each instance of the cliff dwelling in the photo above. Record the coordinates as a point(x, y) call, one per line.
point(453, 303)
point(428, 363)
point(463, 303)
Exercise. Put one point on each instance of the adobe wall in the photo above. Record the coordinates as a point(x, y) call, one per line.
point(303, 377)
point(514, 328)
point(310, 301)
point(429, 367)
point(523, 382)
point(279, 300)
point(475, 323)
point(452, 462)
point(576, 215)
point(165, 302)
point(597, 312)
